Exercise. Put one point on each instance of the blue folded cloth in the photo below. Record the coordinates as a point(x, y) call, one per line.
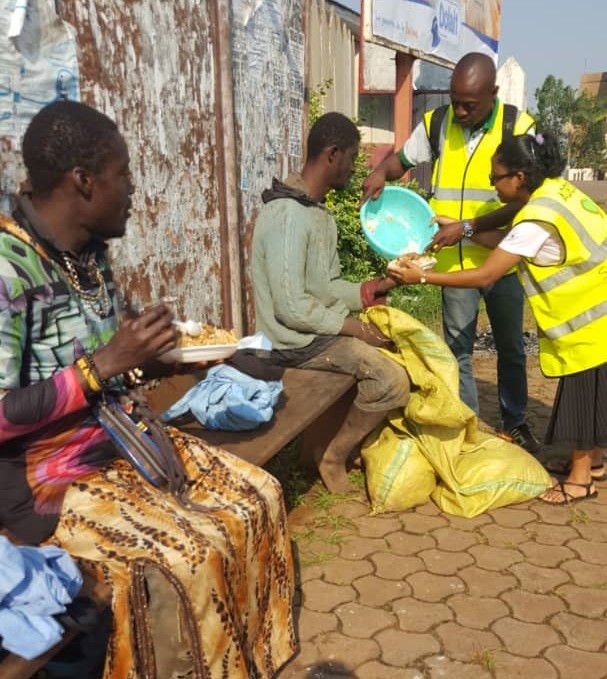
point(228, 399)
point(36, 583)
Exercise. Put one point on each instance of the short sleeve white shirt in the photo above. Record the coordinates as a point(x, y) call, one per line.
point(417, 148)
point(537, 241)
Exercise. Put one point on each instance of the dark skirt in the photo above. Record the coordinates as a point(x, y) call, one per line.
point(579, 414)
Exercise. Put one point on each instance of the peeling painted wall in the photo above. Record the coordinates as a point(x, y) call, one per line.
point(209, 96)
point(148, 64)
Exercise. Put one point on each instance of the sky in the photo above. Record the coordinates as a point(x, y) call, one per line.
point(563, 38)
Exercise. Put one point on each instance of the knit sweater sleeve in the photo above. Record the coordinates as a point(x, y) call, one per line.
point(345, 290)
point(295, 254)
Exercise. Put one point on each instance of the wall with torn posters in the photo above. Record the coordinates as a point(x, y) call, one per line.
point(209, 96)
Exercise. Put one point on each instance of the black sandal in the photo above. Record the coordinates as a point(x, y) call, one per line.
point(569, 499)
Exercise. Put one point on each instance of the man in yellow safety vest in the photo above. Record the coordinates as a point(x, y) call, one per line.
point(460, 140)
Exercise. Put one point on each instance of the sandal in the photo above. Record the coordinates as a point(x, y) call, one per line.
point(567, 498)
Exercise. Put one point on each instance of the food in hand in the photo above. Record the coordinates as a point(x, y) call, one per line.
point(410, 247)
point(423, 261)
point(208, 335)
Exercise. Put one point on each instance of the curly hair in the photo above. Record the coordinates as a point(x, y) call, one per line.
point(539, 157)
point(332, 129)
point(64, 135)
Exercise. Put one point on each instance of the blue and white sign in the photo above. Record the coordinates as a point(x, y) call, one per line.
point(437, 30)
point(448, 20)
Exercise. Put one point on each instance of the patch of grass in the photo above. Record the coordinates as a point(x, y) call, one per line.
point(334, 538)
point(311, 535)
point(296, 488)
point(303, 536)
point(315, 558)
point(357, 478)
point(324, 500)
point(600, 585)
point(335, 521)
point(579, 516)
point(485, 658)
point(294, 479)
point(423, 302)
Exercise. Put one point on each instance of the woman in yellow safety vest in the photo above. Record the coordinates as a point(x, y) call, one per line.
point(558, 241)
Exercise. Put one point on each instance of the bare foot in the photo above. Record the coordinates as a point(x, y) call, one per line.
point(334, 476)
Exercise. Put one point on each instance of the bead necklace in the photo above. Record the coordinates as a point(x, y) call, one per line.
point(98, 301)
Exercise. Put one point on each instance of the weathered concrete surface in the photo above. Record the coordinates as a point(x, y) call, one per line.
point(514, 593)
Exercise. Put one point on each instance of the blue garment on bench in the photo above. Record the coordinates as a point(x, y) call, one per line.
point(36, 583)
point(229, 400)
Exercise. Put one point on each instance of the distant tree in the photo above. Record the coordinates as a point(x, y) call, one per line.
point(580, 122)
point(586, 132)
point(555, 102)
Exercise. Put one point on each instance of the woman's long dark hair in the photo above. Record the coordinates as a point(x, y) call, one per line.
point(538, 156)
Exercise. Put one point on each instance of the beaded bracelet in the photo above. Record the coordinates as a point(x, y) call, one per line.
point(89, 377)
point(105, 385)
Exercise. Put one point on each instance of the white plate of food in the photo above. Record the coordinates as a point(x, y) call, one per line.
point(195, 354)
point(204, 343)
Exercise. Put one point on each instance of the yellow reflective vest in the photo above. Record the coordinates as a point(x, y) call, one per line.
point(460, 182)
point(569, 300)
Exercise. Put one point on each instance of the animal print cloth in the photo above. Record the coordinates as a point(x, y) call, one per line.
point(195, 594)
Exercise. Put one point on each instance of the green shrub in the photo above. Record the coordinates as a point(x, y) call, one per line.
point(359, 262)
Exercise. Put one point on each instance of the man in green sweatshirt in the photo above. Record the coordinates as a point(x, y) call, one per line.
point(304, 307)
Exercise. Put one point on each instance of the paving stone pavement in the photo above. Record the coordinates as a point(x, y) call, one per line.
point(519, 592)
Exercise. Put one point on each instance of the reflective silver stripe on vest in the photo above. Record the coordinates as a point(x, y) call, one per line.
point(577, 322)
point(479, 195)
point(532, 287)
point(598, 254)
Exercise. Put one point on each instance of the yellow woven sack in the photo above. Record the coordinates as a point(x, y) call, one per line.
point(397, 474)
point(476, 471)
point(491, 474)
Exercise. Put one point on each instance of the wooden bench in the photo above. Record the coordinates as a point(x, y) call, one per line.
point(313, 403)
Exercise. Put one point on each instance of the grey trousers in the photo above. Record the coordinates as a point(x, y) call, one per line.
point(382, 383)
